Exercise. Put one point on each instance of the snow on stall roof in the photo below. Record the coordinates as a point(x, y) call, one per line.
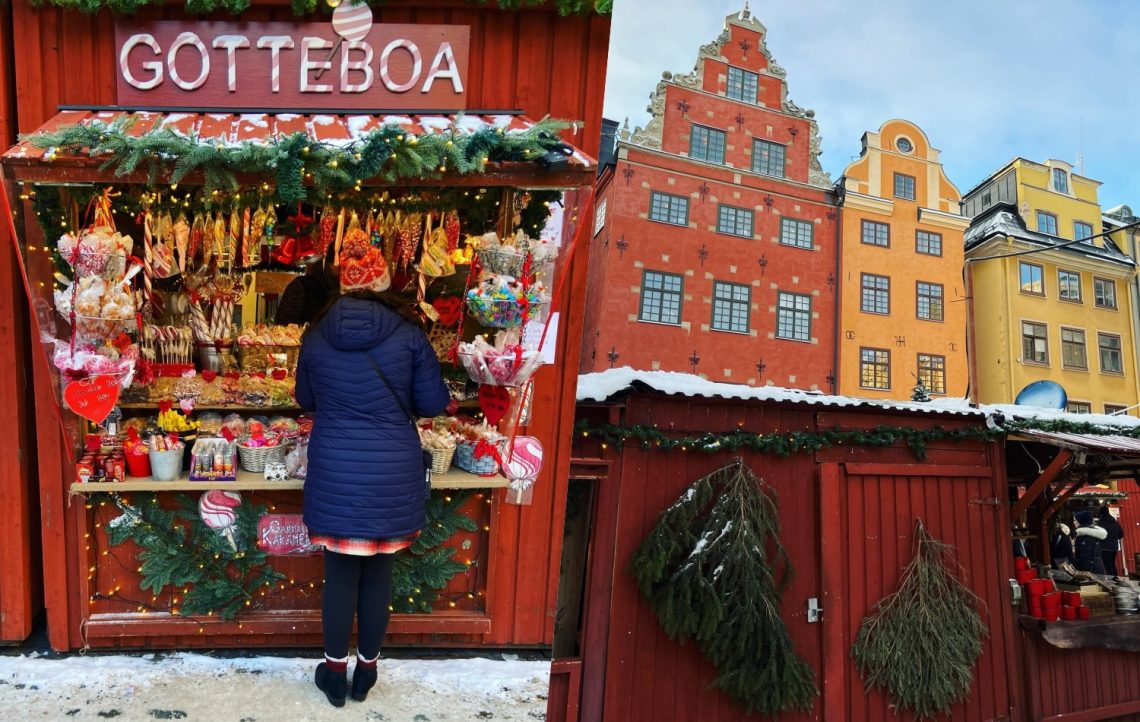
point(604, 385)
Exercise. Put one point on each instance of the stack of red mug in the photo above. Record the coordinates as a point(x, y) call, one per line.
point(1043, 601)
point(1073, 607)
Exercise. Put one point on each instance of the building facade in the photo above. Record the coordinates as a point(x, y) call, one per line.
point(714, 246)
point(1050, 295)
point(902, 315)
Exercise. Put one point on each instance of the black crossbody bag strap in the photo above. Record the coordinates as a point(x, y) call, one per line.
point(408, 413)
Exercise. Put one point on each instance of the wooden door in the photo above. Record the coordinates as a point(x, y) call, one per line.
point(868, 514)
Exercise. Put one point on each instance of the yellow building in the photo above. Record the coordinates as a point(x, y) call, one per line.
point(1049, 301)
point(902, 318)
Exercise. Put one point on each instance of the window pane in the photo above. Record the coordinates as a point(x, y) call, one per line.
point(795, 232)
point(669, 209)
point(932, 372)
point(1073, 348)
point(1034, 343)
point(742, 85)
point(1082, 230)
point(706, 144)
point(1046, 223)
point(1032, 278)
point(874, 368)
point(1069, 285)
point(661, 297)
point(929, 243)
point(1110, 358)
point(734, 221)
point(876, 297)
point(1105, 292)
point(1060, 181)
point(731, 306)
point(768, 158)
point(929, 301)
point(904, 186)
point(876, 234)
point(1079, 407)
point(793, 316)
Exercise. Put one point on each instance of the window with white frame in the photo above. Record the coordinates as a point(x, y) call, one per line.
point(1104, 292)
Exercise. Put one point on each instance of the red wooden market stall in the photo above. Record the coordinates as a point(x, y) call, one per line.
point(364, 142)
point(847, 502)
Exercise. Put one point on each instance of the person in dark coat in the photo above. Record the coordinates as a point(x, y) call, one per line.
point(1087, 555)
point(1111, 544)
point(307, 294)
point(1061, 545)
point(365, 492)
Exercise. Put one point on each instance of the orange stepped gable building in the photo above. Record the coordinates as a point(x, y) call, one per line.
point(902, 315)
point(714, 248)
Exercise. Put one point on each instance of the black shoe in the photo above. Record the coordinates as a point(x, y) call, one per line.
point(362, 680)
point(334, 685)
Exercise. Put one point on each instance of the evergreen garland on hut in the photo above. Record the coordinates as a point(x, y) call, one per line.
point(922, 642)
point(706, 571)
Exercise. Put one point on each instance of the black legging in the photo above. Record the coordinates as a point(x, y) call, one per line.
point(1109, 561)
point(361, 586)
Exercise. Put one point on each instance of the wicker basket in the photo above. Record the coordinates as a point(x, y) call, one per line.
point(255, 458)
point(501, 313)
point(440, 460)
point(263, 358)
point(465, 459)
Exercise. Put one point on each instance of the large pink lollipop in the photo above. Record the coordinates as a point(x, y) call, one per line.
point(351, 21)
point(216, 507)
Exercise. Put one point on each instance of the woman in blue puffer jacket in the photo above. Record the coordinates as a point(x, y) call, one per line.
point(365, 494)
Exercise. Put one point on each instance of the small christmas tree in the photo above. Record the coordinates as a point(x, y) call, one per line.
point(920, 392)
point(706, 571)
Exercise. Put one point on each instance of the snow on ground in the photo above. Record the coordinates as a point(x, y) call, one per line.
point(185, 686)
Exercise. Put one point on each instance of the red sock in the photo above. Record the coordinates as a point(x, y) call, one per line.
point(340, 666)
point(362, 663)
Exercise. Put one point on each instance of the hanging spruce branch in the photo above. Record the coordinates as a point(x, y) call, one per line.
point(706, 571)
point(922, 642)
point(300, 165)
point(424, 571)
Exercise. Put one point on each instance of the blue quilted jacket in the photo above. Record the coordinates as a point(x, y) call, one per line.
point(366, 472)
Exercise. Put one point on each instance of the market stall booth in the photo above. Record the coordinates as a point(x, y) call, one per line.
point(1080, 633)
point(160, 239)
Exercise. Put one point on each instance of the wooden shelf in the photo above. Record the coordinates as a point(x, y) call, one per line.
point(252, 481)
point(153, 406)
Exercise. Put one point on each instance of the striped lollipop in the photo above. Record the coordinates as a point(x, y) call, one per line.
point(216, 507)
point(524, 462)
point(352, 21)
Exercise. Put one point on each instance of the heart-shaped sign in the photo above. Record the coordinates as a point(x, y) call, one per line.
point(93, 398)
point(186, 404)
point(495, 401)
point(448, 308)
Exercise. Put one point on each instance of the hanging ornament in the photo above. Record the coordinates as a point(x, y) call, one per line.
point(327, 230)
point(197, 238)
point(451, 228)
point(93, 398)
point(182, 241)
point(271, 226)
point(494, 401)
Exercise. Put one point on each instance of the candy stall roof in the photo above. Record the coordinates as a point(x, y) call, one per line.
point(26, 162)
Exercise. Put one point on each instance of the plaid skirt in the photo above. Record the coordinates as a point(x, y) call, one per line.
point(364, 547)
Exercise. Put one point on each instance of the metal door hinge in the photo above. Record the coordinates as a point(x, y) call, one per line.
point(991, 501)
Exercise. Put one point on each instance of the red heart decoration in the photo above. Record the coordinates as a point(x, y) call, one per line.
point(209, 376)
point(495, 401)
point(93, 398)
point(448, 308)
point(280, 374)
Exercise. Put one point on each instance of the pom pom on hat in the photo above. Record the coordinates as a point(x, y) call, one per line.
point(362, 265)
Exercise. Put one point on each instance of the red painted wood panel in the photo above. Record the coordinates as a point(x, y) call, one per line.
point(530, 60)
point(1130, 522)
point(848, 536)
point(1081, 684)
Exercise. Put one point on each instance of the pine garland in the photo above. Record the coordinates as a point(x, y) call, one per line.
point(299, 164)
point(706, 572)
point(307, 7)
point(922, 642)
point(178, 550)
point(781, 443)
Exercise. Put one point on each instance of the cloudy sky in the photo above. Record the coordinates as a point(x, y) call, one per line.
point(987, 79)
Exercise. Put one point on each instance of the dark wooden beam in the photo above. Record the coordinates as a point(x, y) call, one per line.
point(1051, 472)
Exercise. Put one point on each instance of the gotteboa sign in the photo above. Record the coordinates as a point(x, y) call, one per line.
point(349, 63)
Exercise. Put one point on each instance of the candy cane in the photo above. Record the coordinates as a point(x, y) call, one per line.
point(148, 265)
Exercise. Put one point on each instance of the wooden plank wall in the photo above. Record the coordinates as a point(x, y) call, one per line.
point(531, 60)
point(1130, 522)
point(1080, 685)
point(632, 671)
point(21, 584)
